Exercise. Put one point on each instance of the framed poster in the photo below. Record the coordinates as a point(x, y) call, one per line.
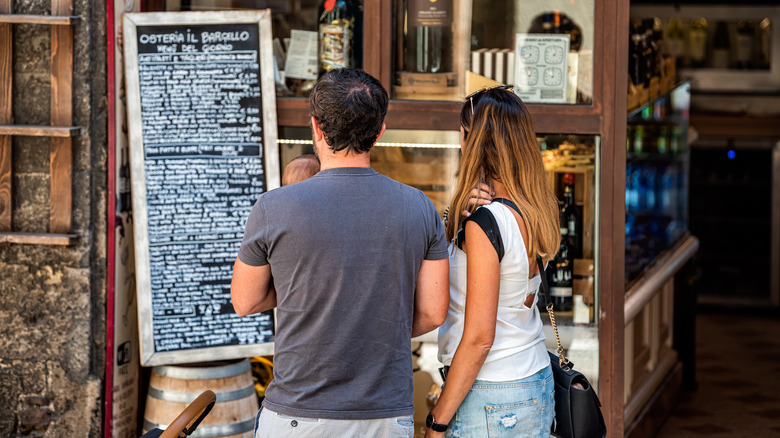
point(541, 67)
point(202, 127)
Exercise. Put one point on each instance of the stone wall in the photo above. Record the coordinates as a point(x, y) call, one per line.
point(53, 299)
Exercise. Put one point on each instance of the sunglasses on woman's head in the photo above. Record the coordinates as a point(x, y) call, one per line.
point(471, 96)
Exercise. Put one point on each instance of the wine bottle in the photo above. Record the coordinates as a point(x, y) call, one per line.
point(556, 28)
point(697, 43)
point(658, 40)
point(765, 43)
point(636, 68)
point(669, 191)
point(663, 140)
point(572, 216)
point(492, 24)
point(745, 37)
point(429, 36)
point(547, 23)
point(630, 132)
point(639, 140)
point(675, 41)
point(125, 196)
point(675, 139)
point(561, 275)
point(649, 200)
point(721, 46)
point(340, 34)
point(648, 58)
point(653, 68)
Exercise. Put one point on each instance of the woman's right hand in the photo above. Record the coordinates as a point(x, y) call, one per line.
point(481, 195)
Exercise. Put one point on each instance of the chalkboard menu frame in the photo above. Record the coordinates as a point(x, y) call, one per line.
point(176, 29)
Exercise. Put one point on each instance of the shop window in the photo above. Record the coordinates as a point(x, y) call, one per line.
point(446, 49)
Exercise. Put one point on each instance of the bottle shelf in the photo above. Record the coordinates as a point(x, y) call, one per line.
point(40, 131)
point(655, 158)
point(55, 20)
point(647, 103)
point(38, 238)
point(733, 183)
point(735, 258)
point(731, 220)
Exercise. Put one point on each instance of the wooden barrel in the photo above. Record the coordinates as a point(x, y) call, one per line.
point(172, 388)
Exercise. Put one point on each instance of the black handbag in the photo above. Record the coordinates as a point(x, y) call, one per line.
point(577, 407)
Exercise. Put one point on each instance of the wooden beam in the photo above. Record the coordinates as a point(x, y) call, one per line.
point(61, 196)
point(386, 42)
point(5, 183)
point(61, 164)
point(461, 42)
point(54, 20)
point(415, 114)
point(372, 35)
point(6, 91)
point(38, 239)
point(722, 127)
point(610, 82)
point(40, 131)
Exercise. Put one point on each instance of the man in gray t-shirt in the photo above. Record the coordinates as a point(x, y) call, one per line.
point(355, 264)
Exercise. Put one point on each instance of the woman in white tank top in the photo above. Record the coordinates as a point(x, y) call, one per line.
point(499, 381)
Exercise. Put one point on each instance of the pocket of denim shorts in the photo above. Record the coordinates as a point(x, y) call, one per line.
point(406, 425)
point(513, 419)
point(405, 421)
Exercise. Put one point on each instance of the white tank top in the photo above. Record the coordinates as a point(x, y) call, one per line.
point(518, 349)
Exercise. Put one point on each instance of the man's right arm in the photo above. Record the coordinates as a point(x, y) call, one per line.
point(252, 289)
point(431, 297)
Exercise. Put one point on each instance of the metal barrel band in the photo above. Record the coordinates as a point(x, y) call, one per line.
point(211, 431)
point(203, 373)
point(188, 397)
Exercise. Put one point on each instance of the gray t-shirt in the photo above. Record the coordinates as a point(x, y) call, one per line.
point(345, 248)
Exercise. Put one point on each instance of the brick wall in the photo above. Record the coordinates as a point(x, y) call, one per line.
point(53, 299)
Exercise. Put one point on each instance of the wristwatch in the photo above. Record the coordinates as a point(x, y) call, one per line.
point(431, 424)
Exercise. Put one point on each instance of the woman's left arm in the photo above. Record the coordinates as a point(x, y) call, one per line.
point(483, 277)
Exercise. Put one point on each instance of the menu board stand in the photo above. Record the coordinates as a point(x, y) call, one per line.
point(202, 128)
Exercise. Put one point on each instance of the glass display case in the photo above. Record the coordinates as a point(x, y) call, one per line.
point(572, 163)
point(657, 162)
point(722, 47)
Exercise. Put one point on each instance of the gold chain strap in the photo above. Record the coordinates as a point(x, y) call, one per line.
point(562, 361)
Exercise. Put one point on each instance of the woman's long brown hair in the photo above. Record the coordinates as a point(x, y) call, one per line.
point(500, 144)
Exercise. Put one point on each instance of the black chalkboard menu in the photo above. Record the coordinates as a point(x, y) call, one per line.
point(202, 120)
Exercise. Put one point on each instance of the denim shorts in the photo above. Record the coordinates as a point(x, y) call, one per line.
point(517, 408)
point(269, 424)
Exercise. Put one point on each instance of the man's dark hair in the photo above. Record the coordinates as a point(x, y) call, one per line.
point(350, 106)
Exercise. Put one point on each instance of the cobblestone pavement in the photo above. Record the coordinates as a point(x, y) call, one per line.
point(738, 377)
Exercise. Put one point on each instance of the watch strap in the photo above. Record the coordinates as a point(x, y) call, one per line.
point(431, 423)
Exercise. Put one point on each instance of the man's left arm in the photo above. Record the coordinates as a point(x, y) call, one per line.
point(431, 296)
point(432, 293)
point(252, 289)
